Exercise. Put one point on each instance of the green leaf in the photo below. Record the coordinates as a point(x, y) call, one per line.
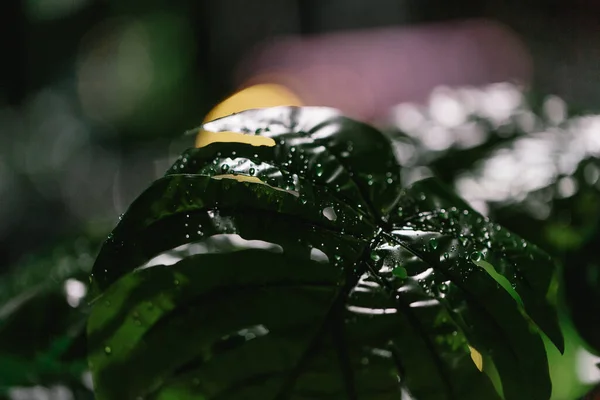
point(535, 170)
point(462, 246)
point(328, 148)
point(305, 270)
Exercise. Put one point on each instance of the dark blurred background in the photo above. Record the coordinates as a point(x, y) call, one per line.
point(92, 90)
point(95, 96)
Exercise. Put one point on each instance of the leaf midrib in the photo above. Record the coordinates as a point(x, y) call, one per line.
point(472, 300)
point(341, 350)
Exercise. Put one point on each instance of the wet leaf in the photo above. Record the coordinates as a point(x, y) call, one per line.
point(533, 166)
point(306, 270)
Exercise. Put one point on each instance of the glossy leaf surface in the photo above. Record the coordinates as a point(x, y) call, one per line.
point(305, 270)
point(533, 167)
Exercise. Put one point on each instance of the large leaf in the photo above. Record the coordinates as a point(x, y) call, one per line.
point(302, 269)
point(533, 166)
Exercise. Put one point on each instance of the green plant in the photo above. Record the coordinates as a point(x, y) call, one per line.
point(532, 163)
point(303, 268)
point(42, 325)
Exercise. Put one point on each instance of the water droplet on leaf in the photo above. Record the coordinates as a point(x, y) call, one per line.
point(476, 256)
point(318, 170)
point(329, 213)
point(433, 243)
point(400, 272)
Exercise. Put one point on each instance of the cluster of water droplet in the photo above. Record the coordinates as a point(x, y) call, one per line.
point(414, 261)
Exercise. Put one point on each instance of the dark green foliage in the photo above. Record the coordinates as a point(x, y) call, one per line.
point(308, 270)
point(42, 337)
point(536, 170)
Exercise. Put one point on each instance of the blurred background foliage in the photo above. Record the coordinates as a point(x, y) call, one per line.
point(95, 95)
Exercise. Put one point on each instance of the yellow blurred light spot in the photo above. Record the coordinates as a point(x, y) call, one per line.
point(205, 138)
point(477, 358)
point(240, 178)
point(252, 179)
point(256, 96)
